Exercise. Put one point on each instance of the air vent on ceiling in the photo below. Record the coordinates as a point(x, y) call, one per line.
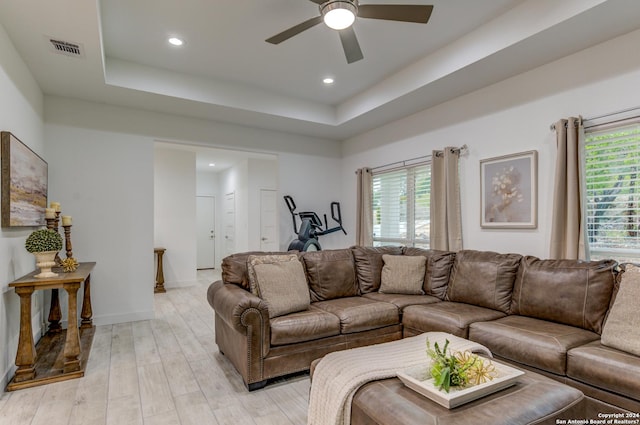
point(67, 48)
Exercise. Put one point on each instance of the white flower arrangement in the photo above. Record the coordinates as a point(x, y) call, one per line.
point(505, 188)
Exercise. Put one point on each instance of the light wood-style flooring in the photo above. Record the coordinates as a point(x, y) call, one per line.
point(160, 372)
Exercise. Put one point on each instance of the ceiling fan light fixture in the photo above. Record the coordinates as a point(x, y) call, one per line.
point(339, 14)
point(175, 41)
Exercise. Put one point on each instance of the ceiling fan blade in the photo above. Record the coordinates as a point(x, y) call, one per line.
point(350, 45)
point(396, 12)
point(287, 34)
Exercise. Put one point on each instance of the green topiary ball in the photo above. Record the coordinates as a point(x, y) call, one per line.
point(43, 240)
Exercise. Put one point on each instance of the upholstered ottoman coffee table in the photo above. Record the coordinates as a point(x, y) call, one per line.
point(359, 386)
point(534, 399)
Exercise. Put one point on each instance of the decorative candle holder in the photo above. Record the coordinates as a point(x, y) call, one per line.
point(69, 264)
point(67, 240)
point(55, 314)
point(51, 223)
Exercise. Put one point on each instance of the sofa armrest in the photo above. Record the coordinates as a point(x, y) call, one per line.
point(243, 330)
point(242, 311)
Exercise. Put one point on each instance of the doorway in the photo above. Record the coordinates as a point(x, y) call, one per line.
point(206, 225)
point(268, 220)
point(229, 223)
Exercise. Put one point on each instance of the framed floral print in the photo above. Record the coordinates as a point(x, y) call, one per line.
point(509, 192)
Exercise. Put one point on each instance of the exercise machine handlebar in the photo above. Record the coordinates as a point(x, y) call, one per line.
point(311, 225)
point(336, 215)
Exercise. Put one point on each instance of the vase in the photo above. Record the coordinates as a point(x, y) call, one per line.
point(45, 260)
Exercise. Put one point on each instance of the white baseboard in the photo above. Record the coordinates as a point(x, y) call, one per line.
point(7, 375)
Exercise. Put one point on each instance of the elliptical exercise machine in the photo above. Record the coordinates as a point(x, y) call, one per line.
point(311, 226)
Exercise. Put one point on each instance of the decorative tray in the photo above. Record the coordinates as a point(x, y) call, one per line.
point(418, 379)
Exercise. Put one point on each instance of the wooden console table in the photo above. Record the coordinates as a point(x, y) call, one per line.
point(59, 355)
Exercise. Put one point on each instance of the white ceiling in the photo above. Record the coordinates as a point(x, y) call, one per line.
point(225, 42)
point(227, 72)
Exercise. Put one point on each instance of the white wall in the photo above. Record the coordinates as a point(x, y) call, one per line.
point(21, 114)
point(511, 116)
point(174, 214)
point(104, 181)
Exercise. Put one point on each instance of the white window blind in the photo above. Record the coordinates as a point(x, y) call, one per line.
point(401, 206)
point(612, 177)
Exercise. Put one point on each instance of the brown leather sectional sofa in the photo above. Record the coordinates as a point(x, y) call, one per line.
point(542, 315)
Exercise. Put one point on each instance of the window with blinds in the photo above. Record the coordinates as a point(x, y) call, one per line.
point(401, 206)
point(612, 165)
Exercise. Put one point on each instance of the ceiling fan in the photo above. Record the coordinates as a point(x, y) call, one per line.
point(340, 15)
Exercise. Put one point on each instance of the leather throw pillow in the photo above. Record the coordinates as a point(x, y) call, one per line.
point(622, 328)
point(403, 274)
point(280, 281)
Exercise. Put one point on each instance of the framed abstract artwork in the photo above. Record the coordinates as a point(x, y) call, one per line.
point(509, 192)
point(24, 179)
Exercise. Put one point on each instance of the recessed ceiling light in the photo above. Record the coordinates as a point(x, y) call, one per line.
point(328, 80)
point(176, 41)
point(211, 164)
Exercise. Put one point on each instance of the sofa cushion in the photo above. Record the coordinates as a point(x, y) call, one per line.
point(446, 316)
point(483, 278)
point(331, 274)
point(280, 281)
point(622, 328)
point(605, 368)
point(533, 342)
point(253, 260)
point(402, 274)
point(368, 261)
point(439, 265)
point(402, 300)
point(234, 267)
point(358, 314)
point(572, 292)
point(307, 325)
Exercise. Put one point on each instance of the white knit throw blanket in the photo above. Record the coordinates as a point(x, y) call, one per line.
point(339, 375)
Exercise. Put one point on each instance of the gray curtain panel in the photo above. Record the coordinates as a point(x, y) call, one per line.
point(567, 240)
point(446, 214)
point(364, 220)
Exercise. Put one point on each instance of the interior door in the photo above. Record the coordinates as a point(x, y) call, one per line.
point(268, 220)
point(229, 223)
point(206, 225)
